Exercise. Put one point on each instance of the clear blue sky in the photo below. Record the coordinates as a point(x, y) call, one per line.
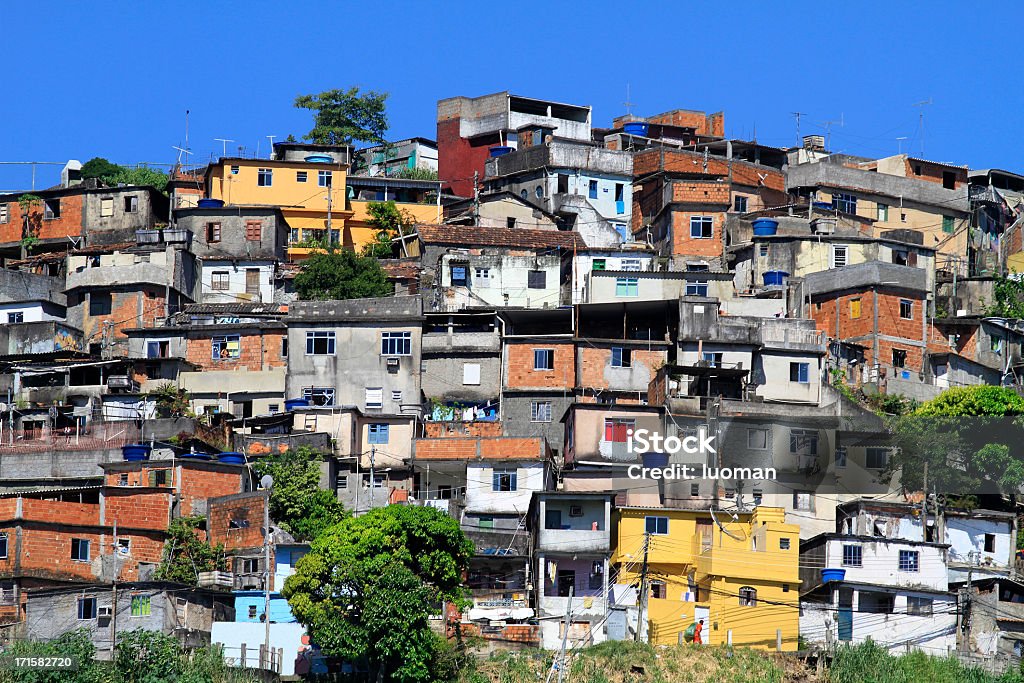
point(114, 79)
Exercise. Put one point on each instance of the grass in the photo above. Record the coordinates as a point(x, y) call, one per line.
point(871, 663)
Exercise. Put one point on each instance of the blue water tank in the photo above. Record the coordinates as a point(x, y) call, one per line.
point(136, 452)
point(319, 158)
point(500, 150)
point(828, 575)
point(765, 226)
point(210, 203)
point(635, 129)
point(293, 403)
point(232, 458)
point(775, 278)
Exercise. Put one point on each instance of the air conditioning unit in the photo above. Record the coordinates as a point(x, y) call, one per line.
point(246, 583)
point(393, 364)
point(104, 612)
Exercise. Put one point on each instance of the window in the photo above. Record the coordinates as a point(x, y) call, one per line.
point(226, 347)
point(396, 396)
point(947, 224)
point(740, 204)
point(763, 250)
point(618, 429)
point(712, 359)
point(543, 359)
point(396, 343)
point(510, 222)
point(799, 372)
point(627, 286)
point(539, 192)
point(273, 408)
point(630, 264)
point(5, 213)
point(106, 207)
point(234, 170)
point(505, 480)
point(694, 490)
point(86, 608)
point(253, 230)
point(748, 597)
point(79, 550)
point(592, 189)
point(899, 358)
point(803, 500)
point(131, 204)
point(876, 603)
point(838, 256)
point(853, 556)
point(301, 176)
point(783, 544)
point(757, 438)
point(702, 227)
point(482, 277)
point(909, 560)
point(855, 308)
point(141, 606)
point(460, 277)
point(470, 374)
point(375, 397)
point(323, 178)
point(378, 433)
point(883, 212)
point(536, 279)
point(844, 203)
point(906, 309)
point(540, 411)
point(319, 396)
point(284, 347)
point(621, 357)
point(697, 267)
point(100, 303)
point(996, 344)
point(921, 607)
point(16, 317)
point(252, 281)
point(656, 525)
point(158, 349)
point(841, 456)
point(803, 441)
point(51, 209)
point(320, 343)
point(598, 264)
point(265, 177)
point(220, 281)
point(949, 180)
point(697, 288)
point(990, 543)
point(524, 194)
point(3, 545)
point(877, 458)
point(213, 233)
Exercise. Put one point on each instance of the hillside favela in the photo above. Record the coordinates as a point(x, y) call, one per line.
point(546, 392)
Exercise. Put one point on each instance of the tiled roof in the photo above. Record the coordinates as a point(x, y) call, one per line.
point(401, 268)
point(249, 308)
point(499, 237)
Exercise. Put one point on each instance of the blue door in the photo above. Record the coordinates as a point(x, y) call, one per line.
point(846, 614)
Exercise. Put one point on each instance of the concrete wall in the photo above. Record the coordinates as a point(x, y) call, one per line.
point(234, 241)
point(237, 272)
point(507, 284)
point(481, 498)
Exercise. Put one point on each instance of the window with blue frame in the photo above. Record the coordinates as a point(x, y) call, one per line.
point(460, 277)
point(697, 288)
point(656, 525)
point(506, 480)
point(627, 286)
point(593, 189)
point(378, 433)
point(799, 372)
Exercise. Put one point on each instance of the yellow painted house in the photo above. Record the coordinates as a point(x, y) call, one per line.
point(311, 195)
point(738, 574)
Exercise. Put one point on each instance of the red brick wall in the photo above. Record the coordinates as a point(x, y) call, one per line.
point(691, 163)
point(442, 430)
point(68, 225)
point(519, 366)
point(247, 512)
point(141, 477)
point(137, 308)
point(136, 509)
point(256, 350)
point(705, 124)
point(202, 484)
point(60, 511)
point(684, 245)
point(593, 361)
point(889, 324)
point(508, 447)
point(46, 553)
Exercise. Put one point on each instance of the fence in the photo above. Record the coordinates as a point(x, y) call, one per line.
point(88, 437)
point(256, 657)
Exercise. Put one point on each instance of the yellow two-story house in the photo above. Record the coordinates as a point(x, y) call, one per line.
point(738, 572)
point(315, 194)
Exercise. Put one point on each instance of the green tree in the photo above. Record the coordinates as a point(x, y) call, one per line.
point(390, 222)
point(114, 174)
point(297, 503)
point(970, 439)
point(100, 168)
point(416, 174)
point(1008, 297)
point(342, 116)
point(367, 587)
point(186, 555)
point(334, 273)
point(30, 219)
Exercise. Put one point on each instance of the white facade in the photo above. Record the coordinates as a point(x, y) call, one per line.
point(880, 563)
point(985, 545)
point(482, 495)
point(501, 280)
point(232, 282)
point(27, 312)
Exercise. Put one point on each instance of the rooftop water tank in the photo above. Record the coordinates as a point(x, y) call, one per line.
point(232, 458)
point(635, 128)
point(293, 403)
point(135, 452)
point(765, 226)
point(319, 158)
point(500, 150)
point(210, 203)
point(775, 278)
point(828, 575)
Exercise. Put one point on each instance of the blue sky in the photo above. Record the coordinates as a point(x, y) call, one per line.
point(114, 79)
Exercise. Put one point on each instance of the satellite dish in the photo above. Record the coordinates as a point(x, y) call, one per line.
point(267, 482)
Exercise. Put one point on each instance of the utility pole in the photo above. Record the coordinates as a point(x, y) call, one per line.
point(267, 484)
point(373, 455)
point(565, 636)
point(330, 193)
point(113, 608)
point(643, 588)
point(476, 199)
point(924, 506)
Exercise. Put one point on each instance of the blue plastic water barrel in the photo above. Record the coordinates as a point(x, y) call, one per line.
point(775, 278)
point(500, 150)
point(136, 452)
point(232, 458)
point(210, 203)
point(765, 226)
point(319, 158)
point(832, 575)
point(293, 403)
point(635, 129)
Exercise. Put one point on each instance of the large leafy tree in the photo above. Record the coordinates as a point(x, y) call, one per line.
point(367, 587)
point(970, 439)
point(390, 222)
point(342, 116)
point(297, 503)
point(333, 273)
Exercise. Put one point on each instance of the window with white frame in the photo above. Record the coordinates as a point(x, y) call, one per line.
point(540, 411)
point(324, 178)
point(220, 281)
point(482, 277)
point(839, 253)
point(265, 177)
point(697, 288)
point(543, 359)
point(5, 213)
point(106, 207)
point(622, 357)
point(471, 374)
point(375, 397)
point(320, 343)
point(631, 264)
point(803, 500)
point(396, 343)
point(319, 396)
point(505, 479)
point(910, 560)
point(627, 286)
point(853, 555)
point(906, 309)
point(702, 227)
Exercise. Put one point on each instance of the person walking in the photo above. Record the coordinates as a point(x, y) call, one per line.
point(697, 633)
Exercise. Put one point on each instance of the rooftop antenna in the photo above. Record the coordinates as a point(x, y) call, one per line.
point(828, 130)
point(627, 103)
point(224, 143)
point(187, 112)
point(796, 115)
point(271, 138)
point(181, 151)
point(899, 144)
point(920, 119)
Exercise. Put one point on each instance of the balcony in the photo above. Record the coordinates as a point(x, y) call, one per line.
point(573, 540)
point(460, 341)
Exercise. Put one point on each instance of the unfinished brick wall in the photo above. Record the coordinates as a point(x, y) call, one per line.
point(136, 509)
point(256, 350)
point(200, 484)
point(594, 362)
point(69, 224)
point(685, 245)
point(861, 329)
point(457, 429)
point(237, 522)
point(519, 365)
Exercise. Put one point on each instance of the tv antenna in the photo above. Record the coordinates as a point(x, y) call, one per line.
point(271, 138)
point(828, 130)
point(627, 103)
point(899, 144)
point(182, 150)
point(796, 115)
point(224, 143)
point(920, 119)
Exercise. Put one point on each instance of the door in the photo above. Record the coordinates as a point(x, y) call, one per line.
point(252, 281)
point(566, 581)
point(705, 614)
point(846, 614)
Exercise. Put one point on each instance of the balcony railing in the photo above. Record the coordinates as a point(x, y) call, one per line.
point(89, 437)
